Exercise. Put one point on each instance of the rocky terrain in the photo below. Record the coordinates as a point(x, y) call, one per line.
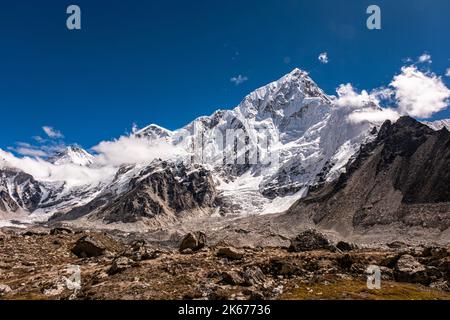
point(39, 263)
point(399, 181)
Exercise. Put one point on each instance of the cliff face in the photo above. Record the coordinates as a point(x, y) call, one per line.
point(401, 178)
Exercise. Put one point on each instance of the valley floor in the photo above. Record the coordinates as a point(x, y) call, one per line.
point(36, 263)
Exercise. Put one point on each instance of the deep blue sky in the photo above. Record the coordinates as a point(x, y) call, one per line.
point(167, 62)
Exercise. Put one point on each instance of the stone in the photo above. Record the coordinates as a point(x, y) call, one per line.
point(187, 251)
point(230, 253)
point(282, 267)
point(435, 253)
point(346, 246)
point(4, 289)
point(232, 278)
point(60, 230)
point(194, 241)
point(309, 240)
point(87, 247)
point(408, 269)
point(120, 264)
point(253, 276)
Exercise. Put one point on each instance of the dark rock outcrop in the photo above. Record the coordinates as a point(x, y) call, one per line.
point(400, 178)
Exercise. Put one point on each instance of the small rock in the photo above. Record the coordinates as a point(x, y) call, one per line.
point(194, 241)
point(397, 245)
point(444, 265)
point(408, 269)
point(32, 233)
point(309, 240)
point(60, 230)
point(440, 285)
point(4, 289)
point(279, 266)
point(346, 246)
point(256, 296)
point(187, 251)
point(232, 278)
point(120, 264)
point(87, 247)
point(253, 276)
point(345, 261)
point(230, 253)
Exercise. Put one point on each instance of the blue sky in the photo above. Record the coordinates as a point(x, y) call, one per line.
point(167, 62)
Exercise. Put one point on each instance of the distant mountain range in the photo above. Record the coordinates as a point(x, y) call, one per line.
point(295, 140)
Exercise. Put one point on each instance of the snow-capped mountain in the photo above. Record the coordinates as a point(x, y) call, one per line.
point(72, 155)
point(306, 136)
point(438, 124)
point(262, 155)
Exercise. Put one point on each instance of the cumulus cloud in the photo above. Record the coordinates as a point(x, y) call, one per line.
point(413, 92)
point(239, 79)
point(52, 133)
point(323, 57)
point(425, 57)
point(448, 72)
point(419, 94)
point(348, 96)
point(132, 150)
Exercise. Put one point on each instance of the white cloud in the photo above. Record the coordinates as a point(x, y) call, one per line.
point(239, 79)
point(419, 94)
point(323, 57)
point(425, 57)
point(373, 115)
point(131, 150)
point(415, 93)
point(52, 133)
point(448, 72)
point(72, 175)
point(349, 97)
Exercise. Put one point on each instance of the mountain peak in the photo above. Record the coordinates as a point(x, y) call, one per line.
point(72, 155)
point(153, 131)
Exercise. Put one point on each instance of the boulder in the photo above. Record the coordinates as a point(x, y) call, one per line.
point(408, 269)
point(120, 264)
point(194, 241)
point(87, 247)
point(230, 253)
point(232, 278)
point(310, 240)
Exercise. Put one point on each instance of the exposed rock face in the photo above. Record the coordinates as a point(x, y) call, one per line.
point(193, 241)
point(161, 193)
point(18, 190)
point(401, 177)
point(309, 240)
